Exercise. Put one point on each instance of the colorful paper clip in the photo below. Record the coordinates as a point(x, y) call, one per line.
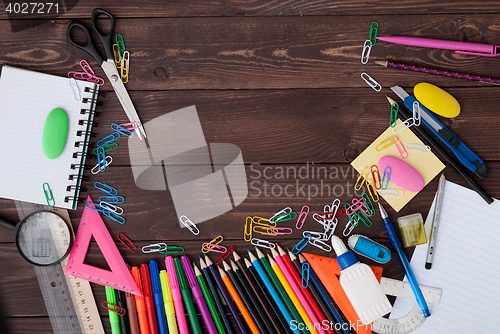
point(117, 56)
point(340, 213)
point(247, 232)
point(373, 33)
point(370, 210)
point(112, 199)
point(127, 242)
point(262, 243)
point(301, 244)
point(401, 148)
point(120, 44)
point(97, 168)
point(314, 234)
point(281, 214)
point(124, 68)
point(384, 144)
point(131, 126)
point(372, 192)
point(171, 250)
point(365, 54)
point(48, 195)
point(108, 139)
point(330, 211)
point(354, 207)
point(376, 176)
point(111, 207)
point(106, 188)
point(117, 218)
point(391, 193)
point(263, 230)
point(418, 147)
point(364, 219)
point(101, 159)
point(320, 244)
point(121, 130)
point(114, 308)
point(215, 241)
point(279, 230)
point(305, 274)
point(302, 217)
point(87, 74)
point(348, 229)
point(371, 82)
point(74, 89)
point(189, 224)
point(283, 217)
point(385, 179)
point(224, 255)
point(394, 114)
point(404, 125)
point(330, 229)
point(208, 247)
point(153, 248)
point(416, 113)
point(262, 221)
point(107, 147)
point(362, 177)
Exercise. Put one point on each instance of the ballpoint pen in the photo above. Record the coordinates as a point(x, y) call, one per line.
point(147, 289)
point(198, 295)
point(121, 300)
point(176, 296)
point(396, 244)
point(113, 317)
point(475, 49)
point(142, 314)
point(168, 302)
point(158, 297)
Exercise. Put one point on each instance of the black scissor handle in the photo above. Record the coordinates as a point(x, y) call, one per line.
point(89, 47)
point(105, 39)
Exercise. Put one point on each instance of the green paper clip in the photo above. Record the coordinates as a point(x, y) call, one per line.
point(48, 195)
point(373, 33)
point(283, 217)
point(394, 114)
point(121, 44)
point(107, 147)
point(171, 250)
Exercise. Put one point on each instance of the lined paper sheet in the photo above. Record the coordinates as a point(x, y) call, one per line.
point(466, 266)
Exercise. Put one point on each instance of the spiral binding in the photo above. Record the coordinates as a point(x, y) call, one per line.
point(85, 132)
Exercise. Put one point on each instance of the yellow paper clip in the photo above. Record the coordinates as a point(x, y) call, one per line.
point(215, 241)
point(263, 221)
point(384, 144)
point(373, 194)
point(124, 70)
point(247, 233)
point(118, 57)
point(362, 177)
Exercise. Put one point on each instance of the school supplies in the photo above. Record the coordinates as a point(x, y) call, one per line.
point(437, 100)
point(176, 295)
point(371, 82)
point(396, 244)
point(435, 220)
point(475, 49)
point(147, 290)
point(468, 158)
point(87, 74)
point(26, 99)
point(187, 296)
point(402, 174)
point(158, 297)
point(114, 318)
point(121, 301)
point(366, 247)
point(107, 65)
point(451, 74)
point(411, 229)
point(465, 267)
point(168, 302)
point(132, 313)
point(142, 312)
point(371, 41)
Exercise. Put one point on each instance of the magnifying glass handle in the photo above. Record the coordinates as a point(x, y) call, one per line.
point(7, 224)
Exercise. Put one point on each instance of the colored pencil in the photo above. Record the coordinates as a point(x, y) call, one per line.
point(297, 289)
point(281, 291)
point(238, 301)
point(326, 299)
point(215, 295)
point(225, 295)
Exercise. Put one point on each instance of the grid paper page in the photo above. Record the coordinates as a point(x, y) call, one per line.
point(466, 266)
point(26, 98)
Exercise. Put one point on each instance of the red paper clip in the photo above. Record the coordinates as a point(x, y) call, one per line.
point(110, 308)
point(226, 254)
point(377, 181)
point(124, 239)
point(340, 213)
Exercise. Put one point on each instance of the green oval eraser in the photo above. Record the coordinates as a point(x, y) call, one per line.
point(55, 133)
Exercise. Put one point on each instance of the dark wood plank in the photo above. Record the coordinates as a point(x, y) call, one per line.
point(262, 52)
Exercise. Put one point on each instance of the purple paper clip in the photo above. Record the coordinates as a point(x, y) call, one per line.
point(302, 217)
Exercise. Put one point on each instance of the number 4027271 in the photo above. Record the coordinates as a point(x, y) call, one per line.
point(32, 8)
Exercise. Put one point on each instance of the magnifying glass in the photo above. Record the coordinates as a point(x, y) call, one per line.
point(42, 238)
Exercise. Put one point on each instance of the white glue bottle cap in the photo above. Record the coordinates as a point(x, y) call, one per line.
point(345, 257)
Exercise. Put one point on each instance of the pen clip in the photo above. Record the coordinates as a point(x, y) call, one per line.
point(492, 54)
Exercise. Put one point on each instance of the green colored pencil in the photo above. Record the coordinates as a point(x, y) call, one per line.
point(208, 299)
point(281, 291)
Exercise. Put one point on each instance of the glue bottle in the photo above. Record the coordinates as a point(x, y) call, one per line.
point(360, 285)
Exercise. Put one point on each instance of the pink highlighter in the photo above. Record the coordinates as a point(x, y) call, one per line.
point(176, 296)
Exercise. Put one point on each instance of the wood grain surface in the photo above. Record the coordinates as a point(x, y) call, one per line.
point(279, 79)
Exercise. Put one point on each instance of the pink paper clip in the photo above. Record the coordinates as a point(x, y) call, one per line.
point(207, 247)
point(79, 75)
point(279, 230)
point(113, 308)
point(302, 217)
point(376, 175)
point(127, 242)
point(212, 247)
point(87, 75)
point(401, 148)
point(133, 125)
point(224, 255)
point(356, 206)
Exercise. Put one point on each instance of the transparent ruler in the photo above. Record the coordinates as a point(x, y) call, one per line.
point(69, 300)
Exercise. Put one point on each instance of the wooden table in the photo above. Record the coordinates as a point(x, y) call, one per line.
point(281, 80)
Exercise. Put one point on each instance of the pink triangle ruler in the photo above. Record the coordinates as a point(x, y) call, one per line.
point(119, 277)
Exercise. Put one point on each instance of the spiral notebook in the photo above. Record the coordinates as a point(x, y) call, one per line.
point(26, 98)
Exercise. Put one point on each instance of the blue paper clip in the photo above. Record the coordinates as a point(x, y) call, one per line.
point(112, 199)
point(120, 129)
point(305, 274)
point(301, 244)
point(114, 216)
point(109, 138)
point(101, 159)
point(97, 168)
point(94, 206)
point(106, 188)
point(385, 178)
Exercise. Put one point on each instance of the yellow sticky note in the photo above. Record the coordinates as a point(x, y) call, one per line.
point(427, 164)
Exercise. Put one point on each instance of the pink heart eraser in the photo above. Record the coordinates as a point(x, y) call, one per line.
point(402, 174)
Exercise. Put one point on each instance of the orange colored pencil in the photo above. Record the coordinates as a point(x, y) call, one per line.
point(237, 300)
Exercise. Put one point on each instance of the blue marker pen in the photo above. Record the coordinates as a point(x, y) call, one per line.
point(396, 244)
point(158, 296)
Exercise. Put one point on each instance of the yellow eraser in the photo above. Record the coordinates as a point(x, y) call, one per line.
point(436, 100)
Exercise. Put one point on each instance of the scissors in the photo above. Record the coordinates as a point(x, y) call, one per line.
point(107, 65)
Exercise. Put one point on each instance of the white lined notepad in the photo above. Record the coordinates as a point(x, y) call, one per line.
point(466, 266)
point(26, 98)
